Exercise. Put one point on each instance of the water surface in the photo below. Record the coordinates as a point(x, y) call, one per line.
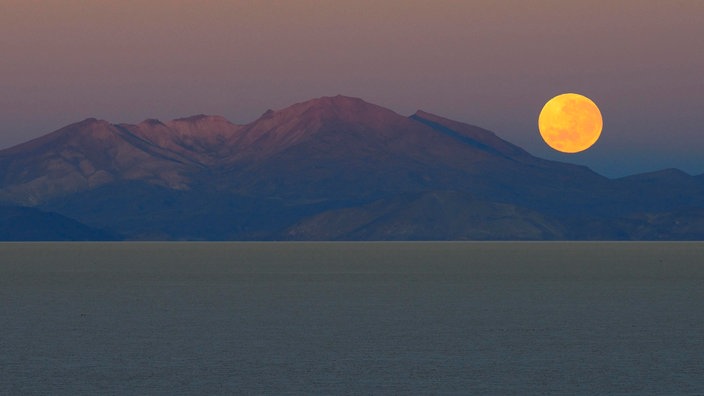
point(352, 318)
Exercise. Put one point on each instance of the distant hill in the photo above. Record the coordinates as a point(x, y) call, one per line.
point(28, 224)
point(334, 168)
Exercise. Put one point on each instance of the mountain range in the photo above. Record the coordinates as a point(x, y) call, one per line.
point(332, 168)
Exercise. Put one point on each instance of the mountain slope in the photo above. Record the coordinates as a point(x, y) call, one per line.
point(436, 215)
point(202, 140)
point(83, 156)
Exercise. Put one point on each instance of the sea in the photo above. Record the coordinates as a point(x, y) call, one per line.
point(357, 318)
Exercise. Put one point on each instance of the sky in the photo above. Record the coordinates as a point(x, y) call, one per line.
point(488, 63)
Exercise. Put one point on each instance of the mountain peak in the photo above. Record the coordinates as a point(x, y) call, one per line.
point(340, 106)
point(200, 119)
point(277, 130)
point(193, 118)
point(337, 100)
point(90, 122)
point(151, 122)
point(85, 128)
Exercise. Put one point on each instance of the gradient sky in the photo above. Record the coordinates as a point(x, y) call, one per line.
point(488, 63)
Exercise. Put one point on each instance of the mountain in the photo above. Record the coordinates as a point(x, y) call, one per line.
point(334, 168)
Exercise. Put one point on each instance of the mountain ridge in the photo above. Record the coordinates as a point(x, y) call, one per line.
point(315, 168)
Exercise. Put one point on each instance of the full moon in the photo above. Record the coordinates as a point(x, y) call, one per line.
point(570, 123)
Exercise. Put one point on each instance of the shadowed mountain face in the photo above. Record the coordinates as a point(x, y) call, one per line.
point(29, 224)
point(334, 168)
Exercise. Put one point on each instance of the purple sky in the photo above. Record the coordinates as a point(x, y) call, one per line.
point(492, 64)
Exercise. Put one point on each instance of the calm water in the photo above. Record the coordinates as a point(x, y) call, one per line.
point(352, 318)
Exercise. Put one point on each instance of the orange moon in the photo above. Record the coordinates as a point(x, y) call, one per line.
point(570, 123)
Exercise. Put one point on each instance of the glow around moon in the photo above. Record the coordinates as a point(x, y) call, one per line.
point(570, 123)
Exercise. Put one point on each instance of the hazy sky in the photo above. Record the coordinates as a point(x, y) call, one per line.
point(488, 63)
